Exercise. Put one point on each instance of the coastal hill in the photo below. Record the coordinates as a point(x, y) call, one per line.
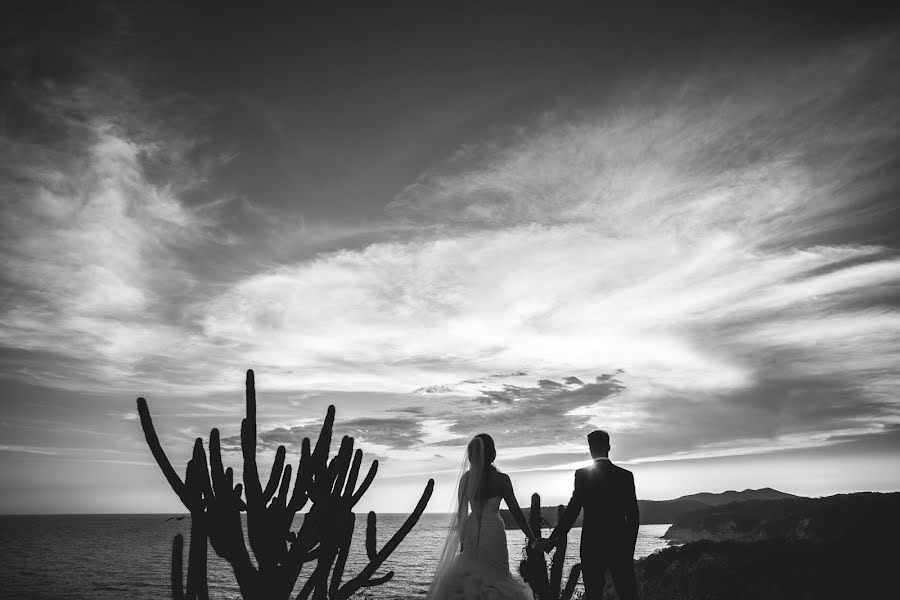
point(730, 496)
point(829, 519)
point(782, 549)
point(667, 511)
point(768, 544)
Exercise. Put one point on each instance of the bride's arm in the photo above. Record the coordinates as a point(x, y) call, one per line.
point(509, 497)
point(462, 503)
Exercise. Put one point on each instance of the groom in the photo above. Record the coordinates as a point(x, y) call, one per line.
point(609, 532)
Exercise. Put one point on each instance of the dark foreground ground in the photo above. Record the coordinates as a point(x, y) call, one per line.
point(840, 547)
point(772, 570)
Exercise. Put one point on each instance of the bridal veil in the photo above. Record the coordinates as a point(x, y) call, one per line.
point(462, 521)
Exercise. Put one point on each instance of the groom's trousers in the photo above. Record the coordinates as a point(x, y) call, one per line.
point(594, 566)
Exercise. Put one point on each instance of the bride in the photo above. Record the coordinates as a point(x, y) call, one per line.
point(475, 562)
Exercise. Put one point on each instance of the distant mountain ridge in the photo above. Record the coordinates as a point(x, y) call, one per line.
point(654, 512)
point(727, 497)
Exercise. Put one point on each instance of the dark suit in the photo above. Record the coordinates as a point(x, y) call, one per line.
point(608, 534)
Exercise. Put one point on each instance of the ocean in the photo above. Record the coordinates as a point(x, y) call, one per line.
point(100, 557)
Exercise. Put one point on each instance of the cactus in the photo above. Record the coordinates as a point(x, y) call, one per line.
point(534, 566)
point(330, 488)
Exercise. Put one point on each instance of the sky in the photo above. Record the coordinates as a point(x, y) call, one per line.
point(675, 223)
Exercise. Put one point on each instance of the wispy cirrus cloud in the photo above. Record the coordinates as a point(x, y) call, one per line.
point(90, 242)
point(716, 151)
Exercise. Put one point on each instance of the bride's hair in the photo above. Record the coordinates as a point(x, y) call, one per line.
point(490, 453)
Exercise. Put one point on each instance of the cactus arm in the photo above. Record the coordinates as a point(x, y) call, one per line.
point(343, 465)
point(534, 514)
point(343, 552)
point(202, 474)
point(158, 453)
point(352, 476)
point(275, 474)
point(535, 562)
point(252, 486)
point(379, 580)
point(323, 444)
point(310, 473)
point(325, 483)
point(335, 532)
point(301, 550)
point(177, 567)
point(370, 476)
point(573, 581)
point(365, 575)
point(257, 520)
point(226, 534)
point(321, 589)
point(307, 588)
point(313, 554)
point(281, 499)
point(303, 479)
point(317, 584)
point(371, 534)
point(251, 473)
point(238, 490)
point(220, 479)
point(196, 573)
point(559, 555)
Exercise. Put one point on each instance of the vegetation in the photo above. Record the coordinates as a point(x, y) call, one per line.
point(796, 548)
point(533, 567)
point(327, 487)
point(772, 569)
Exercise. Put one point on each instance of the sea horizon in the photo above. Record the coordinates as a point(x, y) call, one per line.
point(96, 557)
point(432, 513)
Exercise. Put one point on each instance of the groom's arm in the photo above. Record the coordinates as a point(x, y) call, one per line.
point(570, 514)
point(632, 515)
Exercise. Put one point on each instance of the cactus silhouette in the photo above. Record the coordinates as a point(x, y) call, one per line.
point(330, 489)
point(533, 567)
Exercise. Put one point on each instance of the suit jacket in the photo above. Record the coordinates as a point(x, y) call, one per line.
point(606, 494)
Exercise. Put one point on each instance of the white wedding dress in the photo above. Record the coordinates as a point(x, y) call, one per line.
point(481, 570)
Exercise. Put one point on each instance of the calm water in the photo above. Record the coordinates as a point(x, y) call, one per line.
point(100, 557)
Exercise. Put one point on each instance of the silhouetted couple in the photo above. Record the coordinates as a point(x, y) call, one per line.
point(474, 563)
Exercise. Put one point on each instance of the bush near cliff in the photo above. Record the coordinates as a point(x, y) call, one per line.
point(771, 570)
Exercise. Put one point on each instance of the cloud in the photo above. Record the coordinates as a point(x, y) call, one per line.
point(673, 236)
point(715, 152)
point(390, 432)
point(547, 388)
point(105, 224)
point(549, 459)
point(545, 414)
point(725, 242)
